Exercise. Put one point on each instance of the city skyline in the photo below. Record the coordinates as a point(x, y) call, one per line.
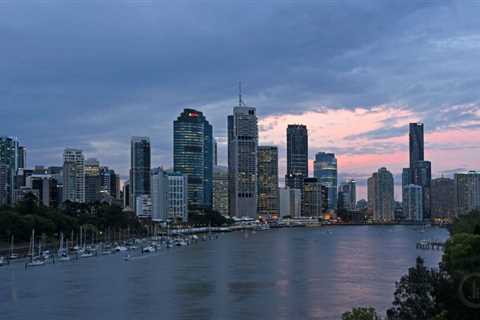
point(291, 75)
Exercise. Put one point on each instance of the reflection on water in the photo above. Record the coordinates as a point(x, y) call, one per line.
point(277, 274)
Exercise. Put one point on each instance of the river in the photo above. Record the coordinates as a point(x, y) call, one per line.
point(298, 273)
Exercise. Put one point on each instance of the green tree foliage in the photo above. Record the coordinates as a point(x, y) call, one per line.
point(207, 217)
point(467, 224)
point(414, 297)
point(361, 314)
point(28, 215)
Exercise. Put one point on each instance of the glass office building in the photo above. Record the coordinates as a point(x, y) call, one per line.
point(193, 155)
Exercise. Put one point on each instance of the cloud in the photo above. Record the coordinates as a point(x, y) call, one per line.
point(90, 74)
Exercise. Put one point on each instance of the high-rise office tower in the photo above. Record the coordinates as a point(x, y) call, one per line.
point(467, 191)
point(9, 157)
point(347, 196)
point(242, 161)
point(22, 157)
point(297, 156)
point(73, 175)
point(314, 194)
point(422, 176)
point(416, 144)
point(93, 180)
point(325, 169)
point(193, 155)
point(140, 162)
point(268, 197)
point(290, 202)
point(177, 197)
point(215, 152)
point(127, 195)
point(413, 203)
point(159, 195)
point(381, 195)
point(220, 190)
point(443, 198)
point(110, 182)
point(4, 185)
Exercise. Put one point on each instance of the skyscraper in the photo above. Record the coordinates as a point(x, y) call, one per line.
point(110, 182)
point(467, 191)
point(242, 161)
point(220, 189)
point(159, 194)
point(5, 199)
point(347, 196)
point(297, 156)
point(9, 157)
point(422, 176)
point(93, 180)
point(193, 155)
point(268, 197)
point(413, 203)
point(381, 195)
point(443, 198)
point(325, 169)
point(177, 197)
point(416, 144)
point(290, 202)
point(139, 168)
point(73, 175)
point(22, 157)
point(313, 198)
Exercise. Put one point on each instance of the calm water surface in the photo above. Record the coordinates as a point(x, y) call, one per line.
point(278, 274)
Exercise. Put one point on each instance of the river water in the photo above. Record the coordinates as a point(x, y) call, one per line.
point(301, 273)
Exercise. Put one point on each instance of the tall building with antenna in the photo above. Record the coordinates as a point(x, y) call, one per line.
point(242, 160)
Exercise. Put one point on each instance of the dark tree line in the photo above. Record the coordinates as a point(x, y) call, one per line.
point(28, 214)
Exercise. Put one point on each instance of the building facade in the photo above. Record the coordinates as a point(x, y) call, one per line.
point(9, 157)
point(140, 164)
point(413, 205)
point(297, 156)
point(93, 180)
point(290, 202)
point(177, 197)
point(193, 155)
point(220, 190)
point(268, 197)
point(159, 194)
point(422, 176)
point(325, 170)
point(443, 198)
point(242, 161)
point(467, 192)
point(312, 198)
point(73, 175)
point(381, 196)
point(416, 144)
point(144, 206)
point(347, 196)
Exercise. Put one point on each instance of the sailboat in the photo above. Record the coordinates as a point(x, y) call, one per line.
point(63, 251)
point(13, 255)
point(34, 261)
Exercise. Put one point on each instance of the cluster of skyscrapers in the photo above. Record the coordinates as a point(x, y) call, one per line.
point(423, 198)
point(248, 187)
point(77, 180)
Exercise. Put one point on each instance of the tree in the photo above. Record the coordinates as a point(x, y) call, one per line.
point(414, 298)
point(361, 314)
point(467, 223)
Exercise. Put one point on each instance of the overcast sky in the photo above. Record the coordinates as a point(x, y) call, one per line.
point(90, 74)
